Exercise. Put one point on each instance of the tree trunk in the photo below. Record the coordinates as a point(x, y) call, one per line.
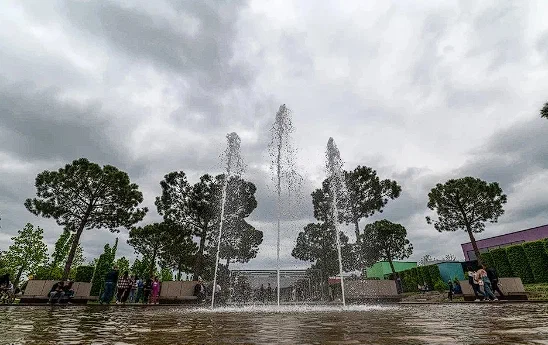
point(357, 230)
point(75, 242)
point(474, 245)
point(392, 266)
point(19, 274)
point(199, 258)
point(153, 263)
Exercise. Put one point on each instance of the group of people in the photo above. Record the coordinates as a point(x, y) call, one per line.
point(130, 288)
point(484, 282)
point(61, 289)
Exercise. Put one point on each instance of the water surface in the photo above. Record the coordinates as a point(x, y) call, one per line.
point(412, 324)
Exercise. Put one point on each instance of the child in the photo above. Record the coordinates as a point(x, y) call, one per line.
point(155, 290)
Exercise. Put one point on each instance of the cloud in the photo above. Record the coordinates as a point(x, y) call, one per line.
point(421, 93)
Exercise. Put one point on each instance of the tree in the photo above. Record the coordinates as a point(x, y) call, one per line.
point(149, 241)
point(61, 251)
point(384, 240)
point(197, 206)
point(140, 268)
point(27, 252)
point(166, 275)
point(122, 264)
point(365, 195)
point(240, 242)
point(179, 250)
point(466, 204)
point(544, 111)
point(82, 195)
point(102, 267)
point(316, 244)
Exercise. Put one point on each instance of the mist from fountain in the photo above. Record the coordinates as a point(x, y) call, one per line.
point(334, 166)
point(234, 167)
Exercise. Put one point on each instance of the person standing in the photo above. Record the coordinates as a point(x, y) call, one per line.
point(124, 284)
point(155, 290)
point(482, 273)
point(110, 280)
point(147, 288)
point(474, 284)
point(199, 290)
point(140, 284)
point(133, 289)
point(261, 293)
point(269, 292)
point(450, 294)
point(494, 278)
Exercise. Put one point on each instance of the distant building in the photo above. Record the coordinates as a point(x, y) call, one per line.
point(486, 244)
point(382, 268)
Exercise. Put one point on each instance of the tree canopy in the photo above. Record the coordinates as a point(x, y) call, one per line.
point(544, 111)
point(466, 204)
point(364, 195)
point(384, 240)
point(82, 195)
point(197, 206)
point(316, 243)
point(27, 252)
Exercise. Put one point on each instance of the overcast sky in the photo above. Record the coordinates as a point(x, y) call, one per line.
point(421, 91)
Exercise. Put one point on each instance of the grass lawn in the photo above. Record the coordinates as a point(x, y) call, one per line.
point(537, 291)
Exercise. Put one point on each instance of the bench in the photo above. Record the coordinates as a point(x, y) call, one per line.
point(178, 292)
point(37, 291)
point(511, 287)
point(371, 291)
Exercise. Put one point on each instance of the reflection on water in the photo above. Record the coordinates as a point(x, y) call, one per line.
point(414, 324)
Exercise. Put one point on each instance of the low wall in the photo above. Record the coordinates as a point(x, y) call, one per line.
point(512, 288)
point(178, 292)
point(371, 290)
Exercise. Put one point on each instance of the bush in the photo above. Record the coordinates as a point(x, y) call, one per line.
point(520, 265)
point(487, 260)
point(84, 274)
point(434, 273)
point(440, 285)
point(538, 260)
point(502, 265)
point(48, 273)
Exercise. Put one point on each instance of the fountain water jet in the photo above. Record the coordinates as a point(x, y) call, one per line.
point(336, 186)
point(284, 166)
point(234, 167)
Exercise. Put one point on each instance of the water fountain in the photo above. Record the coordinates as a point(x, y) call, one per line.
point(336, 186)
point(234, 167)
point(283, 164)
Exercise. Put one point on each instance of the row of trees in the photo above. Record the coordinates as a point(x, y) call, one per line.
point(461, 204)
point(85, 196)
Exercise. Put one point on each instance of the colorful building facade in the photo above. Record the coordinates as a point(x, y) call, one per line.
point(486, 244)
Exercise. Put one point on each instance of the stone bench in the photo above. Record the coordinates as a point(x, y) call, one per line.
point(178, 292)
point(37, 291)
point(371, 291)
point(511, 287)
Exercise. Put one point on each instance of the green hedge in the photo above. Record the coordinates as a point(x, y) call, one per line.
point(84, 274)
point(538, 260)
point(502, 265)
point(416, 276)
point(487, 260)
point(520, 265)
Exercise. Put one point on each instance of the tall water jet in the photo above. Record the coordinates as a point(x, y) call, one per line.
point(336, 186)
point(283, 164)
point(234, 167)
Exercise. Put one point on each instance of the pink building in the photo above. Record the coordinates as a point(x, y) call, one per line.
point(486, 244)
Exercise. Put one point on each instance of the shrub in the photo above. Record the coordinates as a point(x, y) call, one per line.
point(520, 265)
point(48, 273)
point(502, 265)
point(538, 260)
point(84, 274)
point(440, 286)
point(487, 260)
point(434, 273)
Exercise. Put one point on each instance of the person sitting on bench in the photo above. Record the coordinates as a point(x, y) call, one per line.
point(57, 292)
point(68, 291)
